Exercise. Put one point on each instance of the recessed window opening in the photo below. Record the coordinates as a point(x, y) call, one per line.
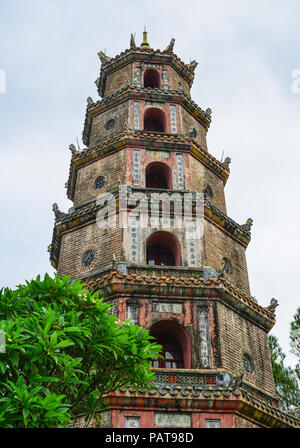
point(176, 345)
point(152, 78)
point(160, 256)
point(154, 120)
point(158, 175)
point(163, 249)
point(171, 351)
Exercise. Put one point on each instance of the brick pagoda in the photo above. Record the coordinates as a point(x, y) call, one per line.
point(147, 136)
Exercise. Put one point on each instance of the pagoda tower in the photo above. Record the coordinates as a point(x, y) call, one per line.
point(178, 267)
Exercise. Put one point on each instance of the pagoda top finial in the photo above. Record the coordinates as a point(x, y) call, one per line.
point(145, 43)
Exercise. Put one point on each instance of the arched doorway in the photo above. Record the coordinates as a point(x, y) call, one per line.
point(163, 249)
point(152, 78)
point(158, 175)
point(154, 120)
point(175, 342)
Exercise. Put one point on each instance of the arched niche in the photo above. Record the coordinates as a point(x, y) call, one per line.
point(152, 78)
point(158, 175)
point(154, 120)
point(163, 249)
point(176, 344)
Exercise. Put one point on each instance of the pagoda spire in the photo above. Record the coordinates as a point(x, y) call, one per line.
point(145, 43)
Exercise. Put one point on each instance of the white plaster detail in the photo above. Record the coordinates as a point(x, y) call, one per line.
point(172, 420)
point(165, 307)
point(203, 325)
point(173, 118)
point(136, 167)
point(136, 115)
point(180, 171)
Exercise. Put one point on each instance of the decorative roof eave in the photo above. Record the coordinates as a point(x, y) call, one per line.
point(146, 139)
point(129, 92)
point(140, 54)
point(210, 161)
point(228, 224)
point(114, 283)
point(202, 399)
point(87, 213)
point(264, 413)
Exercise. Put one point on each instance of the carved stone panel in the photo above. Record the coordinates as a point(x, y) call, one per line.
point(172, 420)
point(138, 76)
point(132, 422)
point(132, 313)
point(212, 423)
point(173, 118)
point(180, 171)
point(136, 167)
point(160, 154)
point(203, 325)
point(136, 115)
point(165, 79)
point(192, 243)
point(160, 307)
point(134, 240)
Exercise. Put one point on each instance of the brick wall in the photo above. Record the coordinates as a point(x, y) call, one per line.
point(118, 79)
point(219, 244)
point(187, 121)
point(118, 113)
point(103, 242)
point(239, 336)
point(126, 75)
point(149, 156)
point(161, 105)
point(112, 167)
point(187, 317)
point(241, 422)
point(200, 176)
point(175, 80)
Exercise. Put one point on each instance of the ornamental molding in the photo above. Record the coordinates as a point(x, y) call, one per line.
point(142, 54)
point(147, 140)
point(203, 399)
point(86, 214)
point(114, 284)
point(143, 93)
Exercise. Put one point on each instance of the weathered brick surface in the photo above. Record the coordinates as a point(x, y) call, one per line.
point(219, 244)
point(118, 79)
point(187, 121)
point(104, 242)
point(188, 319)
point(175, 80)
point(163, 106)
point(200, 176)
point(127, 75)
point(118, 113)
point(241, 422)
point(239, 336)
point(112, 167)
point(149, 156)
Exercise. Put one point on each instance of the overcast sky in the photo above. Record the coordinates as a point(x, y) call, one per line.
point(247, 52)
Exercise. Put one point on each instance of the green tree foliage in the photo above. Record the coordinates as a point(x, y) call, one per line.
point(65, 353)
point(295, 339)
point(285, 378)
